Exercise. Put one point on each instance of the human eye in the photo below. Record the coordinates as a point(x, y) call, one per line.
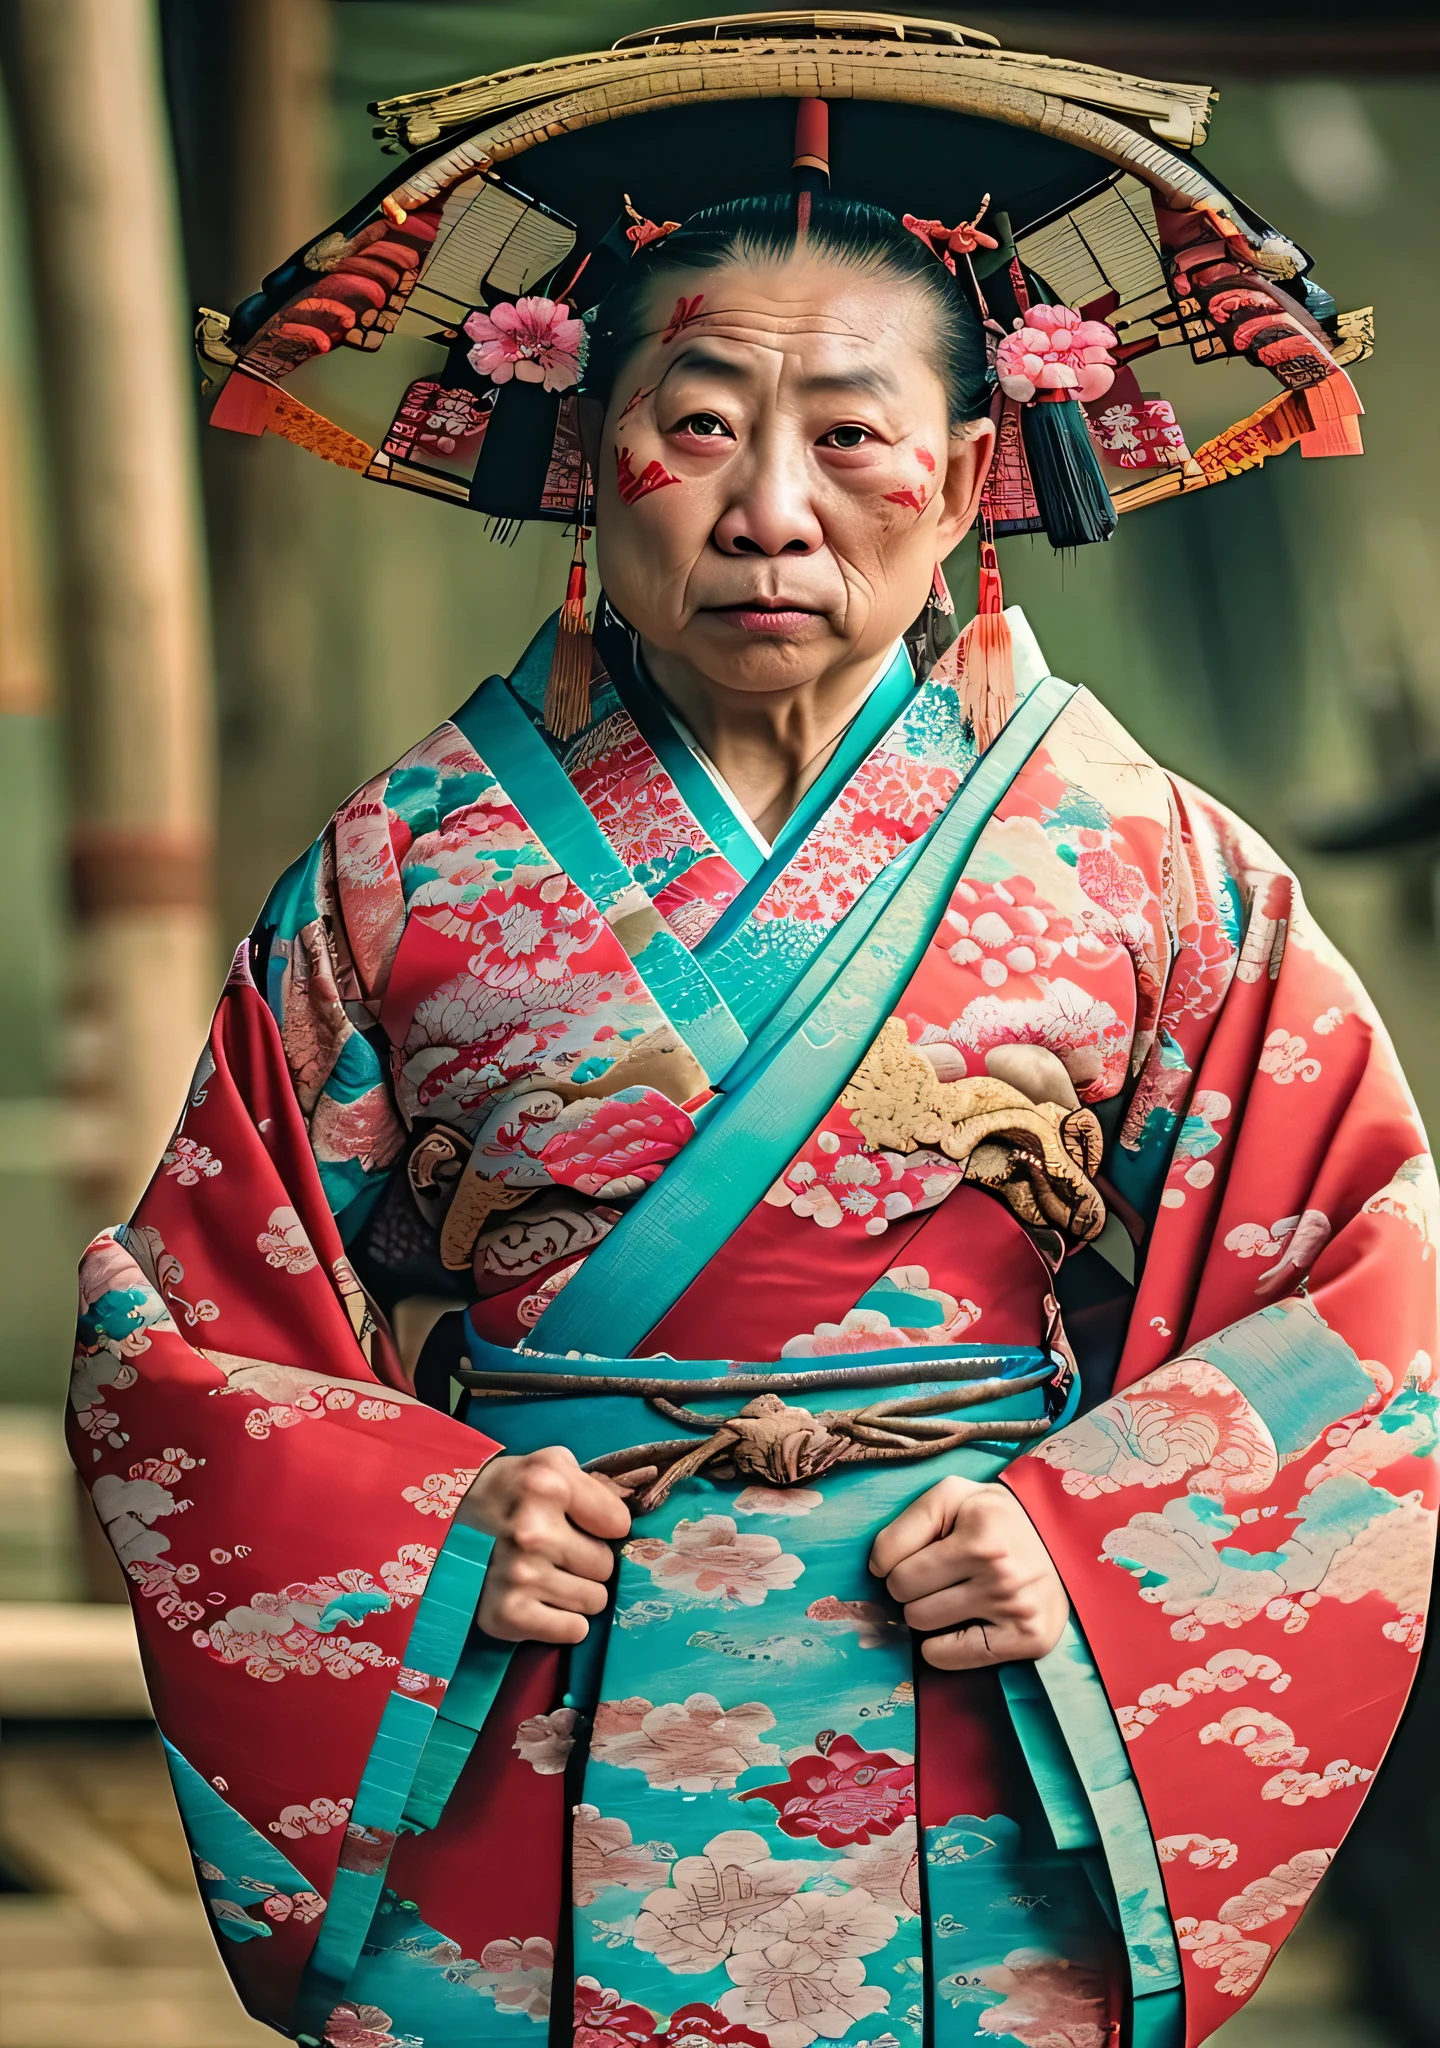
point(703, 426)
point(847, 438)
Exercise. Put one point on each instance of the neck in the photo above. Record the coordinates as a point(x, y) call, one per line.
point(771, 746)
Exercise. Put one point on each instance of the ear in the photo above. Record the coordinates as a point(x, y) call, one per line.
point(972, 447)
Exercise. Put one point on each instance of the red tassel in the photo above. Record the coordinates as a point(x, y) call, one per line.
point(567, 692)
point(987, 657)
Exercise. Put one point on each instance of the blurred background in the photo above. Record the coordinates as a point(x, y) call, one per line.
point(206, 640)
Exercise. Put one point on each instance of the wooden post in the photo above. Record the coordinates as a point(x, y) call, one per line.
point(112, 318)
point(273, 518)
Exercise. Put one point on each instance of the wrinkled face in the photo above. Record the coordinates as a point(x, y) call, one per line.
point(778, 476)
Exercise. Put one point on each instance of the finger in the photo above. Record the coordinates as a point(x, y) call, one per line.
point(949, 1561)
point(539, 1530)
point(981, 1644)
point(921, 1523)
point(952, 1605)
point(515, 1618)
point(537, 1578)
point(598, 1507)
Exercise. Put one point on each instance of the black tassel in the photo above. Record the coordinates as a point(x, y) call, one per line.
point(1069, 488)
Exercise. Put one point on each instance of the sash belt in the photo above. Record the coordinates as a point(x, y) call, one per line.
point(771, 1441)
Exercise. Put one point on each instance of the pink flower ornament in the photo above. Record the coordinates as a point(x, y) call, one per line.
point(1053, 350)
point(536, 340)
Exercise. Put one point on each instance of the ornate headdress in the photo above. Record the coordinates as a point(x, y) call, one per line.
point(1101, 246)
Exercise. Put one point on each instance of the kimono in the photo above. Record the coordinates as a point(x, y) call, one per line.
point(660, 1116)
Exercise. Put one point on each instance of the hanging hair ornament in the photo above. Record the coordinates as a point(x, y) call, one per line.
point(985, 655)
point(643, 232)
point(567, 692)
point(1052, 360)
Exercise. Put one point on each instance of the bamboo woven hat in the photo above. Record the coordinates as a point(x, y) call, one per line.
point(535, 184)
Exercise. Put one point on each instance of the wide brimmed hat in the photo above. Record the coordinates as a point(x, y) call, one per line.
point(526, 192)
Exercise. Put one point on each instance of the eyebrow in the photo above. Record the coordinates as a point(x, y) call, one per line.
point(876, 383)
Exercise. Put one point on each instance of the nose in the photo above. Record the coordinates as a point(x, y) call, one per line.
point(770, 513)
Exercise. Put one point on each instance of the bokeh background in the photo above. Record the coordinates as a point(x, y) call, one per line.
point(207, 640)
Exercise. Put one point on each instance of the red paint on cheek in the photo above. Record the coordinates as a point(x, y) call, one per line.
point(686, 313)
point(925, 459)
point(653, 477)
point(637, 398)
point(912, 501)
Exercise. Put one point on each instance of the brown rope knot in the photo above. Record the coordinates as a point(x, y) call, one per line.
point(783, 1446)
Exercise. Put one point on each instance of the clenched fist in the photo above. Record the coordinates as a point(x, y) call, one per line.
point(546, 1572)
point(965, 1559)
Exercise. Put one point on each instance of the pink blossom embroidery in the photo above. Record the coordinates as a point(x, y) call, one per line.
point(602, 1854)
point(544, 1741)
point(695, 1745)
point(517, 1975)
point(187, 1162)
point(535, 340)
point(709, 1561)
point(440, 1493)
point(359, 2026)
point(318, 1818)
point(285, 1245)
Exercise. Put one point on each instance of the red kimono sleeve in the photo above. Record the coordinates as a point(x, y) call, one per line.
point(279, 1503)
point(1246, 1528)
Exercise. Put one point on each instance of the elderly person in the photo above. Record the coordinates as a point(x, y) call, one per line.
point(933, 1244)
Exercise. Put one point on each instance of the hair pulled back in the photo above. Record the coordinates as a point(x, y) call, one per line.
point(765, 229)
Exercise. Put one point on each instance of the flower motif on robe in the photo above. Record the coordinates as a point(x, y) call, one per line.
point(707, 1560)
point(517, 1975)
point(603, 2019)
point(1045, 2001)
point(798, 1973)
point(693, 1923)
point(284, 1243)
point(888, 1868)
point(603, 1853)
point(359, 2026)
point(847, 1795)
point(694, 1745)
point(544, 1741)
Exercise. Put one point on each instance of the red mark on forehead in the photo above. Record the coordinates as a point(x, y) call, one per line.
point(912, 501)
point(637, 398)
point(686, 313)
point(653, 477)
point(925, 459)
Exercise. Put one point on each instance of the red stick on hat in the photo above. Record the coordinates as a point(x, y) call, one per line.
point(811, 166)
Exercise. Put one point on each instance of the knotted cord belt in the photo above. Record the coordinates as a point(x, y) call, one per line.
point(772, 1441)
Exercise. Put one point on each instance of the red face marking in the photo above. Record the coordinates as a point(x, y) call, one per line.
point(925, 459)
point(912, 501)
point(653, 477)
point(636, 398)
point(686, 313)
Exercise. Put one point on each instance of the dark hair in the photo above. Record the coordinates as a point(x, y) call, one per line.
point(759, 228)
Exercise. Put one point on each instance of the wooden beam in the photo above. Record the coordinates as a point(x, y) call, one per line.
point(84, 81)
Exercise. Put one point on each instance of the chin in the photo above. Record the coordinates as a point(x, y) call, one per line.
point(759, 661)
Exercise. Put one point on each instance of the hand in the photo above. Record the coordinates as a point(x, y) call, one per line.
point(545, 1574)
point(967, 1559)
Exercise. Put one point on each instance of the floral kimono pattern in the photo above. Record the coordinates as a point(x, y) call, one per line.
point(545, 1036)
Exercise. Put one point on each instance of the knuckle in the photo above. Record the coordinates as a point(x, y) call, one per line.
point(530, 1534)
